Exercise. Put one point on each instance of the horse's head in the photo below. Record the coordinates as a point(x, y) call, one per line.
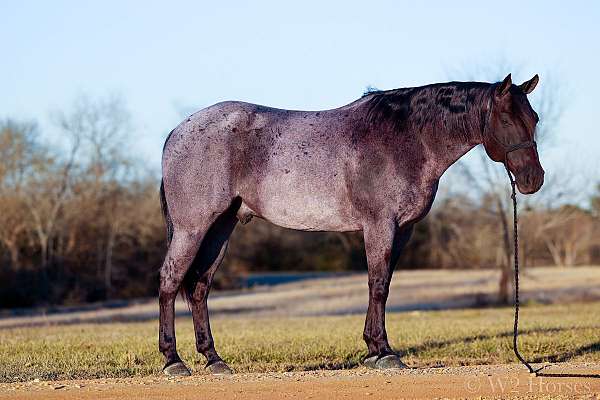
point(509, 131)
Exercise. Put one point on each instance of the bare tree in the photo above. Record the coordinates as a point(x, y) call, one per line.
point(19, 153)
point(558, 220)
point(101, 127)
point(45, 194)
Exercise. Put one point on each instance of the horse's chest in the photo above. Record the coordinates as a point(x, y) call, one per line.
point(416, 202)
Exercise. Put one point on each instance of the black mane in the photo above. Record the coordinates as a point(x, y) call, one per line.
point(452, 104)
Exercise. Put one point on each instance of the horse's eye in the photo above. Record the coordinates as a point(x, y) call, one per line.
point(505, 122)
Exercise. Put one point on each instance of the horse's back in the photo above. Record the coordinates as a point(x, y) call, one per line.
point(287, 166)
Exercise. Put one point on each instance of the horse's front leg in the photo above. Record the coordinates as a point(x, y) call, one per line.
point(383, 243)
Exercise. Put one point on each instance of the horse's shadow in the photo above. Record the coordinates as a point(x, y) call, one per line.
point(590, 348)
point(553, 358)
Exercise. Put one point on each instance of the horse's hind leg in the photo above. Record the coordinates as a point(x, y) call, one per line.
point(199, 279)
point(181, 254)
point(182, 250)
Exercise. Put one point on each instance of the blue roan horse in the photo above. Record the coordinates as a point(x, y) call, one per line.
point(372, 166)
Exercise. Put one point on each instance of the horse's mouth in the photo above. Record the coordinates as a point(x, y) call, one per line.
point(530, 181)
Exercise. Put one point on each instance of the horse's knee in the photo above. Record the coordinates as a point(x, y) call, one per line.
point(379, 290)
point(380, 294)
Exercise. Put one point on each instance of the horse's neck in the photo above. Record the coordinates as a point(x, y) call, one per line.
point(443, 150)
point(446, 120)
point(450, 135)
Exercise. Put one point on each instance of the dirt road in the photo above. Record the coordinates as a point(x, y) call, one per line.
point(505, 381)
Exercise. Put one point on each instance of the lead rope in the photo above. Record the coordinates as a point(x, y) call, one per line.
point(516, 254)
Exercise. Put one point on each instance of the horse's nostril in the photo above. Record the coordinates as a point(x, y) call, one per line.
point(536, 179)
point(531, 180)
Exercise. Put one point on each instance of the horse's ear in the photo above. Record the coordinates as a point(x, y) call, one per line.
point(527, 87)
point(504, 87)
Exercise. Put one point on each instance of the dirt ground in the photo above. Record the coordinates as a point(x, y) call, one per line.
point(502, 381)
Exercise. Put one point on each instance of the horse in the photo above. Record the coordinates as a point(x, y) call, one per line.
point(372, 165)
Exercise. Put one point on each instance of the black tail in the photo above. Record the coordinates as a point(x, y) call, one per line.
point(188, 280)
point(166, 215)
point(169, 223)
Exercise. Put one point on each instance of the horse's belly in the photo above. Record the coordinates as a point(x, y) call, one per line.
point(309, 216)
point(302, 207)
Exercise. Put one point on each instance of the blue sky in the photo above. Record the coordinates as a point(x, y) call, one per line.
point(165, 57)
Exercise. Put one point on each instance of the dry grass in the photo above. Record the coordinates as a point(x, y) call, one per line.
point(456, 337)
point(344, 295)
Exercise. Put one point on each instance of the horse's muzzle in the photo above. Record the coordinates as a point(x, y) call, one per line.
point(530, 180)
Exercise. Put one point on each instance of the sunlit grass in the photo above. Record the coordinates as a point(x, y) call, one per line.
point(458, 337)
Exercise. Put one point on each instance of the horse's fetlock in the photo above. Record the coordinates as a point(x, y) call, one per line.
point(205, 345)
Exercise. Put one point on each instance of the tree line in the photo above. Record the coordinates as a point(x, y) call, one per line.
point(80, 221)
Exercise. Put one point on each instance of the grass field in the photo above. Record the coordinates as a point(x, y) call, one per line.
point(256, 344)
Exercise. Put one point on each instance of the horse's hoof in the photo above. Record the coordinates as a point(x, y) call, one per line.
point(219, 368)
point(370, 362)
point(177, 369)
point(390, 361)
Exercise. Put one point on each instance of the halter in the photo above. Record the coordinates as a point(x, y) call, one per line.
point(508, 148)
